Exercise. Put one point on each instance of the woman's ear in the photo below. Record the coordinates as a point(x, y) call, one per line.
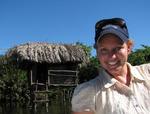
point(130, 46)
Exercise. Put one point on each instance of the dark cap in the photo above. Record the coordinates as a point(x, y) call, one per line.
point(116, 26)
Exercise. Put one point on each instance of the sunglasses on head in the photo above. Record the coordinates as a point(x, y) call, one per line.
point(114, 21)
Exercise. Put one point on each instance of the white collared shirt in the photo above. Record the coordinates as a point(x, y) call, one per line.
point(106, 95)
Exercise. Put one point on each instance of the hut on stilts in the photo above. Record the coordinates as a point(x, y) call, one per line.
point(48, 65)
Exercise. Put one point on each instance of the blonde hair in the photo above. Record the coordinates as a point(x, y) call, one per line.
point(130, 43)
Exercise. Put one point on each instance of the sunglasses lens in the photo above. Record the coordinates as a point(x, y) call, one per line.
point(114, 21)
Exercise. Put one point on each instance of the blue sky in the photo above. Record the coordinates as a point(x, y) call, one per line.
point(68, 21)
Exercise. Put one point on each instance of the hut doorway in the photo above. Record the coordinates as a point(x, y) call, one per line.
point(39, 73)
point(42, 73)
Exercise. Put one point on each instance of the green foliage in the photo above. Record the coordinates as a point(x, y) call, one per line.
point(86, 48)
point(13, 82)
point(140, 56)
point(91, 69)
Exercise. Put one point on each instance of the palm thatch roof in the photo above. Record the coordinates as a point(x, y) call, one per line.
point(49, 53)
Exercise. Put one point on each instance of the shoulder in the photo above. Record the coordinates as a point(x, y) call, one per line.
point(85, 87)
point(143, 67)
point(89, 86)
point(142, 70)
point(83, 97)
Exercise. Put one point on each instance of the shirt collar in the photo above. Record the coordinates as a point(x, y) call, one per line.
point(134, 73)
point(110, 81)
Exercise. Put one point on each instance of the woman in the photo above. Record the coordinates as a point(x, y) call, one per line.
point(120, 87)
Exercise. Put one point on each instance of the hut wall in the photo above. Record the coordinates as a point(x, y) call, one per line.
point(63, 74)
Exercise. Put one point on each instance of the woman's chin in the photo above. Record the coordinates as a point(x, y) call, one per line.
point(114, 70)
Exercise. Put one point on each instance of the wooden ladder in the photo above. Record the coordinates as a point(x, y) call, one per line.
point(41, 95)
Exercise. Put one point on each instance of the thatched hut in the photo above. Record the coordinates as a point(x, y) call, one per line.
point(56, 64)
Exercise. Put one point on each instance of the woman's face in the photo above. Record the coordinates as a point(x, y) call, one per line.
point(113, 54)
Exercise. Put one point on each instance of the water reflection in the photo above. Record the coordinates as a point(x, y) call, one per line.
point(55, 107)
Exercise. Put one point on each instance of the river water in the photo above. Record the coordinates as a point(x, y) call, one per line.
point(53, 108)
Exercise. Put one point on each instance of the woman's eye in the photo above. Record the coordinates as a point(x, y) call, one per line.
point(103, 51)
point(117, 49)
